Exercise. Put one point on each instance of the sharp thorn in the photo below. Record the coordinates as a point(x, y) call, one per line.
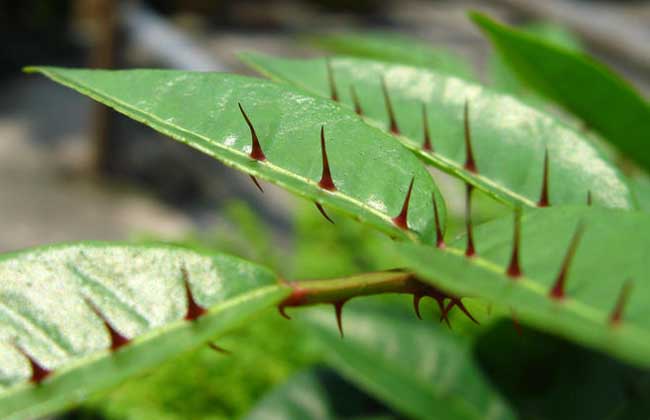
point(543, 197)
point(514, 269)
point(426, 146)
point(558, 290)
point(416, 304)
point(389, 108)
point(218, 349)
point(334, 95)
point(470, 251)
point(355, 101)
point(470, 163)
point(459, 303)
point(440, 236)
point(322, 211)
point(256, 150)
point(257, 184)
point(617, 314)
point(326, 181)
point(401, 220)
point(117, 340)
point(39, 372)
point(194, 310)
point(283, 312)
point(338, 309)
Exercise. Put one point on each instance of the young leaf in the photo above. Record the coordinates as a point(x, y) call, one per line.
point(293, 137)
point(419, 369)
point(508, 138)
point(397, 49)
point(584, 275)
point(75, 319)
point(584, 86)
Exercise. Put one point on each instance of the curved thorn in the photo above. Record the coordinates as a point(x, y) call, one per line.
point(338, 309)
point(218, 349)
point(39, 372)
point(257, 184)
point(401, 220)
point(514, 269)
point(355, 101)
point(440, 237)
point(334, 95)
point(117, 340)
point(322, 211)
point(543, 197)
point(470, 163)
point(389, 108)
point(470, 251)
point(459, 303)
point(326, 181)
point(416, 304)
point(194, 310)
point(617, 314)
point(557, 291)
point(426, 146)
point(282, 310)
point(256, 149)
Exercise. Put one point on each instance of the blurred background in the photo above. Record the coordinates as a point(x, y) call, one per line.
point(73, 170)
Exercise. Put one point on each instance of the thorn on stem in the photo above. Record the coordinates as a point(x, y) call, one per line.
point(470, 163)
point(401, 220)
point(617, 314)
point(256, 150)
point(416, 304)
point(322, 212)
point(389, 108)
point(194, 310)
point(338, 309)
point(440, 236)
point(257, 184)
point(558, 290)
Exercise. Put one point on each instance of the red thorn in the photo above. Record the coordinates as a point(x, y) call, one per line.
point(296, 298)
point(426, 146)
point(218, 349)
point(355, 100)
point(440, 237)
point(39, 372)
point(589, 199)
point(338, 309)
point(194, 310)
point(470, 164)
point(458, 303)
point(617, 315)
point(416, 304)
point(470, 251)
point(326, 181)
point(284, 315)
point(256, 150)
point(543, 198)
point(389, 108)
point(557, 292)
point(334, 95)
point(322, 211)
point(401, 220)
point(257, 184)
point(514, 269)
point(117, 340)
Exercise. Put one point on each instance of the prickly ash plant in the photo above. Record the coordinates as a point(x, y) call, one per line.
point(355, 136)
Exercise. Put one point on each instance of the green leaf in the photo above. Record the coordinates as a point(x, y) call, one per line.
point(396, 48)
point(509, 138)
point(370, 170)
point(612, 251)
point(584, 86)
point(48, 299)
point(418, 368)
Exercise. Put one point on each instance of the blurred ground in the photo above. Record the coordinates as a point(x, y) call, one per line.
point(49, 189)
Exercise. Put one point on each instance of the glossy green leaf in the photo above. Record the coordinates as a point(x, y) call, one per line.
point(584, 86)
point(509, 138)
point(47, 297)
point(396, 48)
point(613, 250)
point(417, 367)
point(370, 170)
